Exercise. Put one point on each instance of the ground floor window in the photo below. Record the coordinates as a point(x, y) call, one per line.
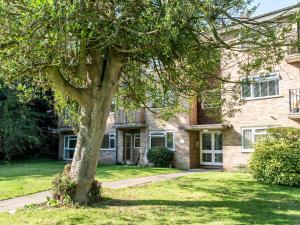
point(162, 139)
point(137, 140)
point(250, 136)
point(69, 146)
point(109, 142)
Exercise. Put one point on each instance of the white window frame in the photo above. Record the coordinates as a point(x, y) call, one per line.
point(112, 136)
point(253, 81)
point(136, 136)
point(164, 135)
point(72, 137)
point(253, 133)
point(114, 102)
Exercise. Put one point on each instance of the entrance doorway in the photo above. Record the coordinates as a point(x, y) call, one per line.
point(128, 146)
point(211, 148)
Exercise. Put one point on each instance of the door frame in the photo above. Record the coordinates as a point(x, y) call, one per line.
point(213, 151)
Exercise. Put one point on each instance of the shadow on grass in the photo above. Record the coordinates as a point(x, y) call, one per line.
point(243, 201)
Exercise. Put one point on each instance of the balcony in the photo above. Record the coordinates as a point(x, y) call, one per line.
point(130, 119)
point(294, 104)
point(293, 53)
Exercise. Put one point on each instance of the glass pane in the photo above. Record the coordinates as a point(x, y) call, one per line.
point(256, 90)
point(137, 141)
point(69, 154)
point(206, 141)
point(157, 142)
point(170, 143)
point(260, 131)
point(128, 146)
point(72, 143)
point(207, 157)
point(105, 142)
point(272, 88)
point(66, 141)
point(218, 157)
point(247, 139)
point(218, 141)
point(264, 89)
point(246, 90)
point(112, 143)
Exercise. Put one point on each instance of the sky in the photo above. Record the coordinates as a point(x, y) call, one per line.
point(271, 5)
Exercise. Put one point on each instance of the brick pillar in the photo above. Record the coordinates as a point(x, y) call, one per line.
point(120, 146)
point(194, 149)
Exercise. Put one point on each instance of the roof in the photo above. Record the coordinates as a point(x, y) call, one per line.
point(288, 10)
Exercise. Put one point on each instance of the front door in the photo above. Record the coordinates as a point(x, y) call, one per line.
point(211, 149)
point(128, 146)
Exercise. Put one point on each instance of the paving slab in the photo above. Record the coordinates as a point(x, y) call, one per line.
point(11, 205)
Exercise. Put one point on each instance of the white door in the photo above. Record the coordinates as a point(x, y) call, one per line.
point(211, 152)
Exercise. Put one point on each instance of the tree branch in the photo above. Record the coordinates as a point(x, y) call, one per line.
point(60, 83)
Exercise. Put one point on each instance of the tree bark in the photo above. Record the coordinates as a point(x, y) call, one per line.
point(94, 115)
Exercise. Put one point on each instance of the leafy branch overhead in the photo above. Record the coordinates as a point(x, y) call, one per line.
point(176, 44)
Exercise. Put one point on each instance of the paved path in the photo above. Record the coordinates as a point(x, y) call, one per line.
point(11, 205)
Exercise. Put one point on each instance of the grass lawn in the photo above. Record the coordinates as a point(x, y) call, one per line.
point(206, 198)
point(21, 178)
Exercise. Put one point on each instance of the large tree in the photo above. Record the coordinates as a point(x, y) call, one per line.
point(84, 49)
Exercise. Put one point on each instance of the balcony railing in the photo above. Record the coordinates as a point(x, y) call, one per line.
point(295, 101)
point(130, 117)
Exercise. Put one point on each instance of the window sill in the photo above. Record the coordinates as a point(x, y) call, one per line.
point(108, 149)
point(261, 98)
point(247, 150)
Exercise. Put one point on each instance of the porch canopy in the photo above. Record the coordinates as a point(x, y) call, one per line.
point(204, 127)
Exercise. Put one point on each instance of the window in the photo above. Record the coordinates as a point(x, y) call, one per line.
point(113, 107)
point(162, 139)
point(164, 100)
point(260, 86)
point(109, 142)
point(250, 136)
point(69, 146)
point(137, 140)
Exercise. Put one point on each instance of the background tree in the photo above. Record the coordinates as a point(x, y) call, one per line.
point(25, 125)
point(85, 49)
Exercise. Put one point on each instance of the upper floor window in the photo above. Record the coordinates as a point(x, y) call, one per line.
point(250, 136)
point(113, 107)
point(260, 86)
point(162, 139)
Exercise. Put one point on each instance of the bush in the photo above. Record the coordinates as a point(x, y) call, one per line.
point(160, 156)
point(64, 188)
point(276, 159)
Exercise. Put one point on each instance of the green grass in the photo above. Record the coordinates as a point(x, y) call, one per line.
point(206, 198)
point(22, 178)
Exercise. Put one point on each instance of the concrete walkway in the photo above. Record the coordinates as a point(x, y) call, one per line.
point(11, 205)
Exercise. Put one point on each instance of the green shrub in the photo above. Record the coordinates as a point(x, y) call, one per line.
point(95, 192)
point(276, 159)
point(64, 188)
point(160, 156)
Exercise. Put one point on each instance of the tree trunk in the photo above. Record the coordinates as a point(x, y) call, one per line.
point(94, 115)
